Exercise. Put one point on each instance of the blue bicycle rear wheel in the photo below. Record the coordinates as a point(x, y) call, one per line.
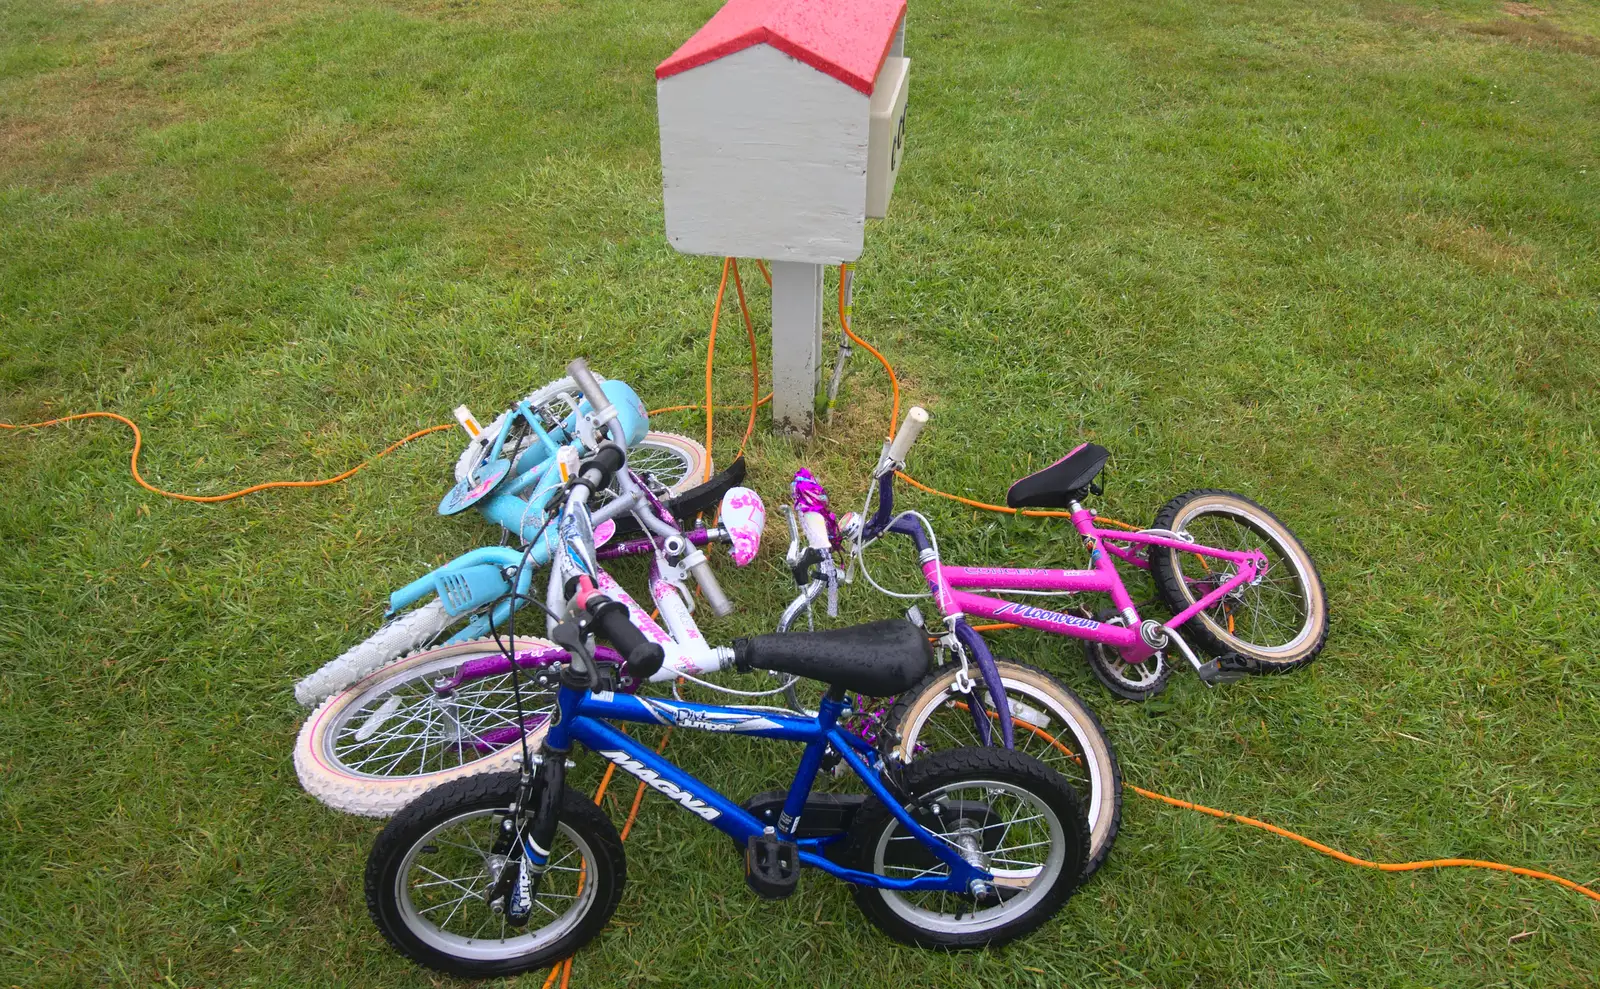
point(1006, 813)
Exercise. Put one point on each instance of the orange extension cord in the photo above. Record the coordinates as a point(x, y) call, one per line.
point(730, 266)
point(138, 443)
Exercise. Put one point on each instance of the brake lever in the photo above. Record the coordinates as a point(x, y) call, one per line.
point(569, 634)
point(792, 557)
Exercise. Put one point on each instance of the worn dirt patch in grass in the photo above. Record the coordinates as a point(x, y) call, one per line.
point(1524, 23)
point(70, 129)
point(497, 11)
point(1476, 245)
point(1529, 25)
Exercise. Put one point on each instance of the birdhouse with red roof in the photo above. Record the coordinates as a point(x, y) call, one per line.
point(782, 128)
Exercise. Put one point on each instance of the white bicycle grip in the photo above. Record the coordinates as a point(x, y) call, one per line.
point(816, 529)
point(916, 418)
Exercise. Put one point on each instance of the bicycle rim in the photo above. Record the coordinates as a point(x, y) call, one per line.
point(1042, 727)
point(405, 728)
point(441, 886)
point(1026, 858)
point(1269, 616)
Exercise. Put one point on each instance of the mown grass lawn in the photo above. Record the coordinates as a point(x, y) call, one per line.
point(1344, 257)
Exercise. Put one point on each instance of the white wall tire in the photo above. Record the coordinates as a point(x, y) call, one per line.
point(677, 462)
point(347, 772)
point(1050, 723)
point(408, 631)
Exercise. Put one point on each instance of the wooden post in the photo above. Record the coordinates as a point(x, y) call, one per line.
point(796, 345)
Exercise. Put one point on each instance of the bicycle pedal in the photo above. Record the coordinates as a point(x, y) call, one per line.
point(1213, 674)
point(771, 866)
point(1234, 663)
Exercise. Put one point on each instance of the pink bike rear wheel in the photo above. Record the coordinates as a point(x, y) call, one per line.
point(1280, 620)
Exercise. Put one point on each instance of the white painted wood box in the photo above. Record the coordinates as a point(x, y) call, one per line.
point(782, 128)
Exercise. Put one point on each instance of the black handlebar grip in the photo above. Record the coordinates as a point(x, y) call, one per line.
point(611, 622)
point(606, 462)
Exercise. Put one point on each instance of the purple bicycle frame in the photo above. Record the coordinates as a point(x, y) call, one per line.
point(647, 543)
point(644, 544)
point(531, 659)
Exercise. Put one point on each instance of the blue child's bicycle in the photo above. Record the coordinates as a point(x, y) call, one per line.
point(499, 874)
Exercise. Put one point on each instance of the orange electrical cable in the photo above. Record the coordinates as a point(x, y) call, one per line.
point(1185, 804)
point(1102, 520)
point(894, 379)
point(138, 444)
point(605, 780)
point(638, 795)
point(711, 353)
point(700, 408)
point(1364, 863)
point(1308, 842)
point(894, 420)
point(564, 967)
point(755, 365)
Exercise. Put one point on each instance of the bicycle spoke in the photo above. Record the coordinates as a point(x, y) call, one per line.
point(426, 733)
point(454, 882)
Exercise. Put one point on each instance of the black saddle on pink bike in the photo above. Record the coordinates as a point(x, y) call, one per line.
point(1070, 479)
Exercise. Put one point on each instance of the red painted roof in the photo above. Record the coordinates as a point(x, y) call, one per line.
point(847, 39)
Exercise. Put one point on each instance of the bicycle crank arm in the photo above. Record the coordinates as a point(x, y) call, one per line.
point(1212, 673)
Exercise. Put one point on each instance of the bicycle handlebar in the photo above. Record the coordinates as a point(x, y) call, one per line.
point(611, 622)
point(894, 457)
point(598, 470)
point(910, 429)
point(720, 605)
point(605, 415)
point(587, 383)
point(815, 526)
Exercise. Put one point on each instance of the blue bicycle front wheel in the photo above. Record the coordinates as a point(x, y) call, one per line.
point(431, 870)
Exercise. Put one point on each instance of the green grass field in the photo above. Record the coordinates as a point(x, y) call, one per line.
point(1343, 257)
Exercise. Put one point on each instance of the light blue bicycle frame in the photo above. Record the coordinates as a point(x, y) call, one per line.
point(499, 559)
point(535, 468)
point(534, 471)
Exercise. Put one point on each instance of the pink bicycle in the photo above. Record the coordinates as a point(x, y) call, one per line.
point(1240, 585)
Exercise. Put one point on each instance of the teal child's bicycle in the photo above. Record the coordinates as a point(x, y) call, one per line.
point(507, 473)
